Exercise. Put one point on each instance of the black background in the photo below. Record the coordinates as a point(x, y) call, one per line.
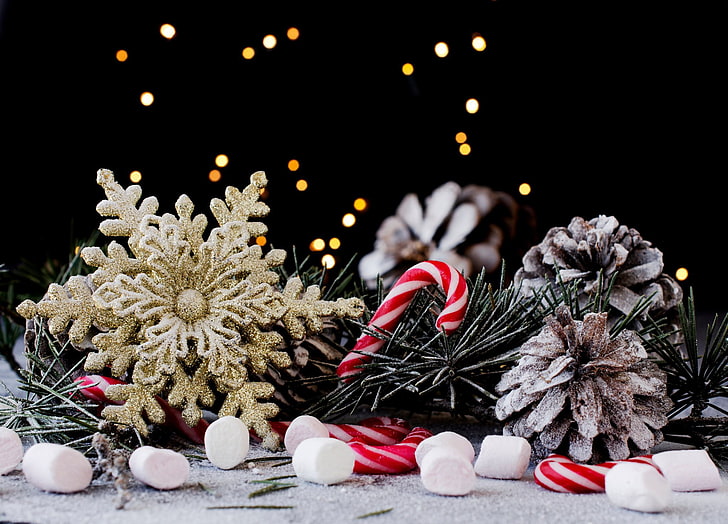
point(603, 107)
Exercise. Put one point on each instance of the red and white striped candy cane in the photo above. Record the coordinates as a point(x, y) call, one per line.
point(399, 297)
point(377, 431)
point(560, 473)
point(94, 387)
point(381, 445)
point(391, 459)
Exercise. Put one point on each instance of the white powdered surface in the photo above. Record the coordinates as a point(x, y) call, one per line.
point(507, 501)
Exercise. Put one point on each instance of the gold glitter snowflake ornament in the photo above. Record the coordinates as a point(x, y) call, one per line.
point(183, 316)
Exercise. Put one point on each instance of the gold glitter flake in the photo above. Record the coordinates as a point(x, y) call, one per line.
point(187, 317)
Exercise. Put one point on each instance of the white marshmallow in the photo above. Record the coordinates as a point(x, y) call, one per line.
point(159, 468)
point(688, 469)
point(301, 428)
point(445, 439)
point(638, 487)
point(56, 468)
point(227, 442)
point(11, 450)
point(323, 460)
point(445, 471)
point(503, 457)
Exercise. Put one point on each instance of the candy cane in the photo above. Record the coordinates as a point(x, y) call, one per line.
point(94, 387)
point(376, 431)
point(392, 459)
point(560, 473)
point(381, 445)
point(399, 297)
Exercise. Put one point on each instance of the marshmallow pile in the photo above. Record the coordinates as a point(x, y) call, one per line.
point(641, 487)
point(446, 461)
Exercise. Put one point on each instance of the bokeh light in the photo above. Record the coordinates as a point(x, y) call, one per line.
point(248, 53)
point(524, 189)
point(408, 69)
point(146, 98)
point(221, 160)
point(168, 31)
point(328, 261)
point(681, 274)
point(348, 220)
point(269, 41)
point(472, 105)
point(441, 49)
point(135, 176)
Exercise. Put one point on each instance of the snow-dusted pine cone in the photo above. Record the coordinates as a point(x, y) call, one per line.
point(585, 248)
point(580, 392)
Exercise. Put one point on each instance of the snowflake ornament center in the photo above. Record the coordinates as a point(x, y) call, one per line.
point(191, 305)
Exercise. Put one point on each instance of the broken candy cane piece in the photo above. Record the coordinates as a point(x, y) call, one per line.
point(301, 428)
point(323, 460)
point(445, 471)
point(227, 442)
point(391, 459)
point(395, 303)
point(446, 439)
point(94, 388)
point(503, 457)
point(159, 468)
point(560, 473)
point(638, 487)
point(688, 469)
point(56, 468)
point(11, 450)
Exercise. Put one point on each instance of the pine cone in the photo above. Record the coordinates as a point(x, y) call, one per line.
point(312, 372)
point(471, 228)
point(579, 392)
point(584, 249)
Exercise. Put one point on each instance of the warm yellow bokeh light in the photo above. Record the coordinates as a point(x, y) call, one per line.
point(348, 220)
point(460, 137)
point(248, 53)
point(122, 55)
point(221, 160)
point(301, 185)
point(478, 42)
point(524, 189)
point(214, 175)
point(334, 243)
point(269, 41)
point(261, 240)
point(135, 176)
point(167, 31)
point(441, 49)
point(464, 149)
point(317, 244)
point(293, 164)
point(146, 98)
point(472, 105)
point(408, 69)
point(681, 274)
point(328, 261)
point(293, 33)
point(360, 204)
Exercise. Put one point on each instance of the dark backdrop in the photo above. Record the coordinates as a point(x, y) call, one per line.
point(604, 109)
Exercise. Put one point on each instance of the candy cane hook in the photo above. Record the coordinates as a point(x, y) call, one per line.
point(399, 297)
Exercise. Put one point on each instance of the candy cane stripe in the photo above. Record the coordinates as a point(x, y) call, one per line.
point(559, 473)
point(395, 303)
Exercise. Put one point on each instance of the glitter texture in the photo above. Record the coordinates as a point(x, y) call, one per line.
point(184, 316)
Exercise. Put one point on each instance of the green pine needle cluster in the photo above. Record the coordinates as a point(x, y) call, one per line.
point(425, 370)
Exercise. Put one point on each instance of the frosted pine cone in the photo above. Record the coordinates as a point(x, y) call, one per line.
point(584, 249)
point(579, 392)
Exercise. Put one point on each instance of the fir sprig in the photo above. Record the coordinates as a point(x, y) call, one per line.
point(423, 368)
point(696, 376)
point(51, 410)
